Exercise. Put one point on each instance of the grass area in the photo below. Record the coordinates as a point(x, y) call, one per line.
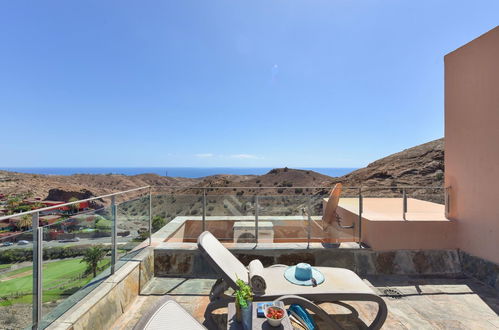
point(60, 278)
point(5, 266)
point(14, 272)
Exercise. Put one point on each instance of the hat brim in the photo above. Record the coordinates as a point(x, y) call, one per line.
point(289, 274)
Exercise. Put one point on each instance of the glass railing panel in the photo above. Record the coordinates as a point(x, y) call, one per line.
point(343, 226)
point(163, 205)
point(133, 226)
point(181, 214)
point(16, 280)
point(77, 257)
point(231, 217)
point(284, 217)
point(433, 195)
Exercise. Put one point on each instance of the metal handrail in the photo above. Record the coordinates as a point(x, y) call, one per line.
point(302, 187)
point(48, 208)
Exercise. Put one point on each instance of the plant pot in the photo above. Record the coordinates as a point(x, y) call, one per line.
point(243, 315)
point(238, 313)
point(246, 316)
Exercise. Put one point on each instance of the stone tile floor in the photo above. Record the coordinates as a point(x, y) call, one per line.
point(415, 303)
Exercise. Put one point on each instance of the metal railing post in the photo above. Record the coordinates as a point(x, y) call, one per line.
point(150, 216)
point(360, 217)
point(404, 203)
point(257, 210)
point(37, 270)
point(204, 209)
point(309, 214)
point(114, 234)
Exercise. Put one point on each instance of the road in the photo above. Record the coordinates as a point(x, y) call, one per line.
point(83, 241)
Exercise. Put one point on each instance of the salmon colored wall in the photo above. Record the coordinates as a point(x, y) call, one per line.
point(409, 235)
point(472, 144)
point(391, 235)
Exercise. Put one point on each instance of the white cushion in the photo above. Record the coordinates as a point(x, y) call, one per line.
point(171, 315)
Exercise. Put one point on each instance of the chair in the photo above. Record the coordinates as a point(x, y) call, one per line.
point(330, 214)
point(340, 284)
point(168, 314)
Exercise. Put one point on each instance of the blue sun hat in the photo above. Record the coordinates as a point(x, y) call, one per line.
point(302, 274)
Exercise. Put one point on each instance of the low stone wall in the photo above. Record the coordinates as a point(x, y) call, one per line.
point(483, 270)
point(173, 259)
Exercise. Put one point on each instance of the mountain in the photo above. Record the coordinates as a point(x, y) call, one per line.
point(422, 165)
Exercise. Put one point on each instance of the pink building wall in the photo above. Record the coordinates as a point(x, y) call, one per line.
point(472, 144)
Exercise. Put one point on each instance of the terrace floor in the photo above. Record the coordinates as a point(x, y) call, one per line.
point(421, 303)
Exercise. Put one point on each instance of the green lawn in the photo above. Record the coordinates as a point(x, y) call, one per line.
point(60, 278)
point(5, 266)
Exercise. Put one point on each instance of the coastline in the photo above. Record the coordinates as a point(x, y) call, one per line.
point(180, 172)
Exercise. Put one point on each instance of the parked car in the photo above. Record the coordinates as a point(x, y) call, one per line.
point(7, 244)
point(22, 242)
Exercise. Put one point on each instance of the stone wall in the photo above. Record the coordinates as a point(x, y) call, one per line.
point(185, 259)
point(481, 269)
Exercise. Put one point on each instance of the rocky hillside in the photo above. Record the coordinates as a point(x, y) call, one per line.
point(422, 165)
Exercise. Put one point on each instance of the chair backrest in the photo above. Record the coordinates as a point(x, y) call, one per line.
point(331, 206)
point(224, 262)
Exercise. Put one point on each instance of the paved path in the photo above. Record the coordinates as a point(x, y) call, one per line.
point(83, 241)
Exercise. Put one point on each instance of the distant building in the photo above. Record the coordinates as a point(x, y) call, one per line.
point(49, 219)
point(81, 206)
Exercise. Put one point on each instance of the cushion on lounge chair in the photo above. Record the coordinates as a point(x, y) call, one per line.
point(167, 314)
point(222, 258)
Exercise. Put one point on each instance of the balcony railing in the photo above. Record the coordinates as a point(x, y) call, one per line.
point(74, 254)
point(91, 235)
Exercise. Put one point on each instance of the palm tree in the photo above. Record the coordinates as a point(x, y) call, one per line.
point(12, 203)
point(92, 257)
point(74, 208)
point(26, 221)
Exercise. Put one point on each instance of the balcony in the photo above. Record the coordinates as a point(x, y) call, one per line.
point(396, 239)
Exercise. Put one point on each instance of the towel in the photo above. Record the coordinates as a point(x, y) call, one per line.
point(256, 280)
point(302, 315)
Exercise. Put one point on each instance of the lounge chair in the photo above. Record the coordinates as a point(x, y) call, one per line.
point(167, 314)
point(330, 214)
point(340, 285)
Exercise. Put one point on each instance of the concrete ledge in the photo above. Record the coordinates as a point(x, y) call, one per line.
point(103, 305)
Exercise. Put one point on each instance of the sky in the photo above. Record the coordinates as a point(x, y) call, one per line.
point(274, 83)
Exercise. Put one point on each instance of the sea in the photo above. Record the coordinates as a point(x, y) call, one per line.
point(186, 172)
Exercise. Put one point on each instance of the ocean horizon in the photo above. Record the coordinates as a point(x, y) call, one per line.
point(185, 172)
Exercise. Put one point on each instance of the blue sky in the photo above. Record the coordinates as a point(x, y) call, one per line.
point(225, 83)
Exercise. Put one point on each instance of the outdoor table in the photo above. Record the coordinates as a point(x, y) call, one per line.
point(257, 323)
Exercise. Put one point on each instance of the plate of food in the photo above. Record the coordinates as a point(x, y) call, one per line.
point(275, 315)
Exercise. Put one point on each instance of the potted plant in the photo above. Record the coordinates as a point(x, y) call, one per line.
point(244, 297)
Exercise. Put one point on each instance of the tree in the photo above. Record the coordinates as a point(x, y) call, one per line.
point(25, 222)
point(92, 257)
point(73, 208)
point(12, 203)
point(158, 222)
point(143, 234)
